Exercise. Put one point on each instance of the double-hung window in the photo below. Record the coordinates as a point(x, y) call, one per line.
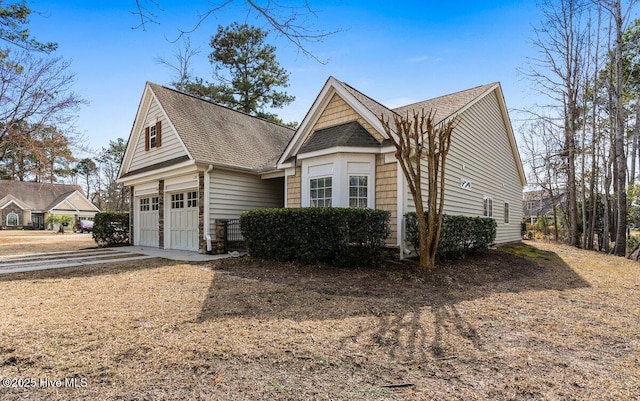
point(358, 191)
point(320, 191)
point(153, 137)
point(487, 210)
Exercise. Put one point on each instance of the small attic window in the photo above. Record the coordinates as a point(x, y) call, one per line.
point(153, 136)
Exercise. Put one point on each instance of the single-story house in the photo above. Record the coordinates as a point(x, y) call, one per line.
point(539, 203)
point(29, 204)
point(341, 156)
point(190, 162)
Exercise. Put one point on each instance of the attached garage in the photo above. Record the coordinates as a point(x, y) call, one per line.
point(148, 220)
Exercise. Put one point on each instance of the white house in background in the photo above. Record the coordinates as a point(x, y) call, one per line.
point(189, 162)
point(29, 204)
point(341, 156)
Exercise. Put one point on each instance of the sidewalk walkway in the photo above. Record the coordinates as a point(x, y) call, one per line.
point(185, 256)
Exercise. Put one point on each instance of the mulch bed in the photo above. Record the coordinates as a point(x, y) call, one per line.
point(524, 322)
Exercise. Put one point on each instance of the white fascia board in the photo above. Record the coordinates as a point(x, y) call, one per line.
point(185, 167)
point(143, 110)
point(15, 202)
point(343, 149)
point(331, 87)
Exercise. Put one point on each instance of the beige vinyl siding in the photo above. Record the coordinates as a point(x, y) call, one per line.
point(339, 112)
point(232, 193)
point(481, 153)
point(294, 188)
point(171, 146)
point(387, 194)
point(81, 203)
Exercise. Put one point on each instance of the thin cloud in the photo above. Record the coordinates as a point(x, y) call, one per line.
point(423, 59)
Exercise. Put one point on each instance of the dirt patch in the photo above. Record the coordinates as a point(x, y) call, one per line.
point(543, 322)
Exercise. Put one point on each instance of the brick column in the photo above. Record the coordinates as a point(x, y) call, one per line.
point(132, 209)
point(161, 214)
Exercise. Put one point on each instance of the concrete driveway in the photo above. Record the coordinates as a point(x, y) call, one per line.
point(57, 260)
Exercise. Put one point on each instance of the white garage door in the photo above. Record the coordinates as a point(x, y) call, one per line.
point(183, 221)
point(148, 222)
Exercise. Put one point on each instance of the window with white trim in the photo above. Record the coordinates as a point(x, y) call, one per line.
point(192, 199)
point(153, 137)
point(13, 219)
point(358, 190)
point(506, 213)
point(530, 205)
point(144, 204)
point(177, 201)
point(155, 202)
point(320, 192)
point(487, 210)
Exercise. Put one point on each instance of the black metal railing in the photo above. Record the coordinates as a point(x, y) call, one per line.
point(234, 240)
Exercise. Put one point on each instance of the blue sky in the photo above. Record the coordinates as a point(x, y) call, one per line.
point(395, 52)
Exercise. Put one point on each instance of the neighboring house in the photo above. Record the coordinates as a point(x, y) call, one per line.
point(28, 204)
point(538, 203)
point(190, 162)
point(341, 156)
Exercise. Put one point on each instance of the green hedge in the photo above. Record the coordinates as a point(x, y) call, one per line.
point(459, 237)
point(111, 228)
point(345, 237)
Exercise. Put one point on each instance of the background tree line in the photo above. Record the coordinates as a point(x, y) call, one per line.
point(582, 145)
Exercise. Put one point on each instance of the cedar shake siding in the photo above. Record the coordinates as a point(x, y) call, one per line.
point(294, 188)
point(339, 112)
point(387, 194)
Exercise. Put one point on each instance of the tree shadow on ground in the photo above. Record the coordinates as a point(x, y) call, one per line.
point(415, 310)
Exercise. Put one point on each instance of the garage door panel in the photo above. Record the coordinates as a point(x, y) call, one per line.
point(148, 224)
point(183, 218)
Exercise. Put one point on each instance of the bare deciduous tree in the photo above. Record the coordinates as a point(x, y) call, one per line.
point(413, 138)
point(293, 22)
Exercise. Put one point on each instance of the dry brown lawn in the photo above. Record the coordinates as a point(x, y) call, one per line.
point(526, 322)
point(25, 242)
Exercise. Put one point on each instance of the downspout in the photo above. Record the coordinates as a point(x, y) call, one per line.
point(207, 206)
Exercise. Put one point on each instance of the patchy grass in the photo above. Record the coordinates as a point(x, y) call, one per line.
point(542, 321)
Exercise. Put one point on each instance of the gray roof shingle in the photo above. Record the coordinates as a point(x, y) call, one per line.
point(219, 135)
point(444, 106)
point(36, 195)
point(348, 134)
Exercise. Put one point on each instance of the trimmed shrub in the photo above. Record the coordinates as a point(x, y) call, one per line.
point(459, 236)
point(111, 228)
point(343, 237)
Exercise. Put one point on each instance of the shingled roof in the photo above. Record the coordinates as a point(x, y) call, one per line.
point(348, 134)
point(36, 195)
point(447, 105)
point(444, 106)
point(219, 135)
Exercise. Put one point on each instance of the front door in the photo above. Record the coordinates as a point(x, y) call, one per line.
point(37, 220)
